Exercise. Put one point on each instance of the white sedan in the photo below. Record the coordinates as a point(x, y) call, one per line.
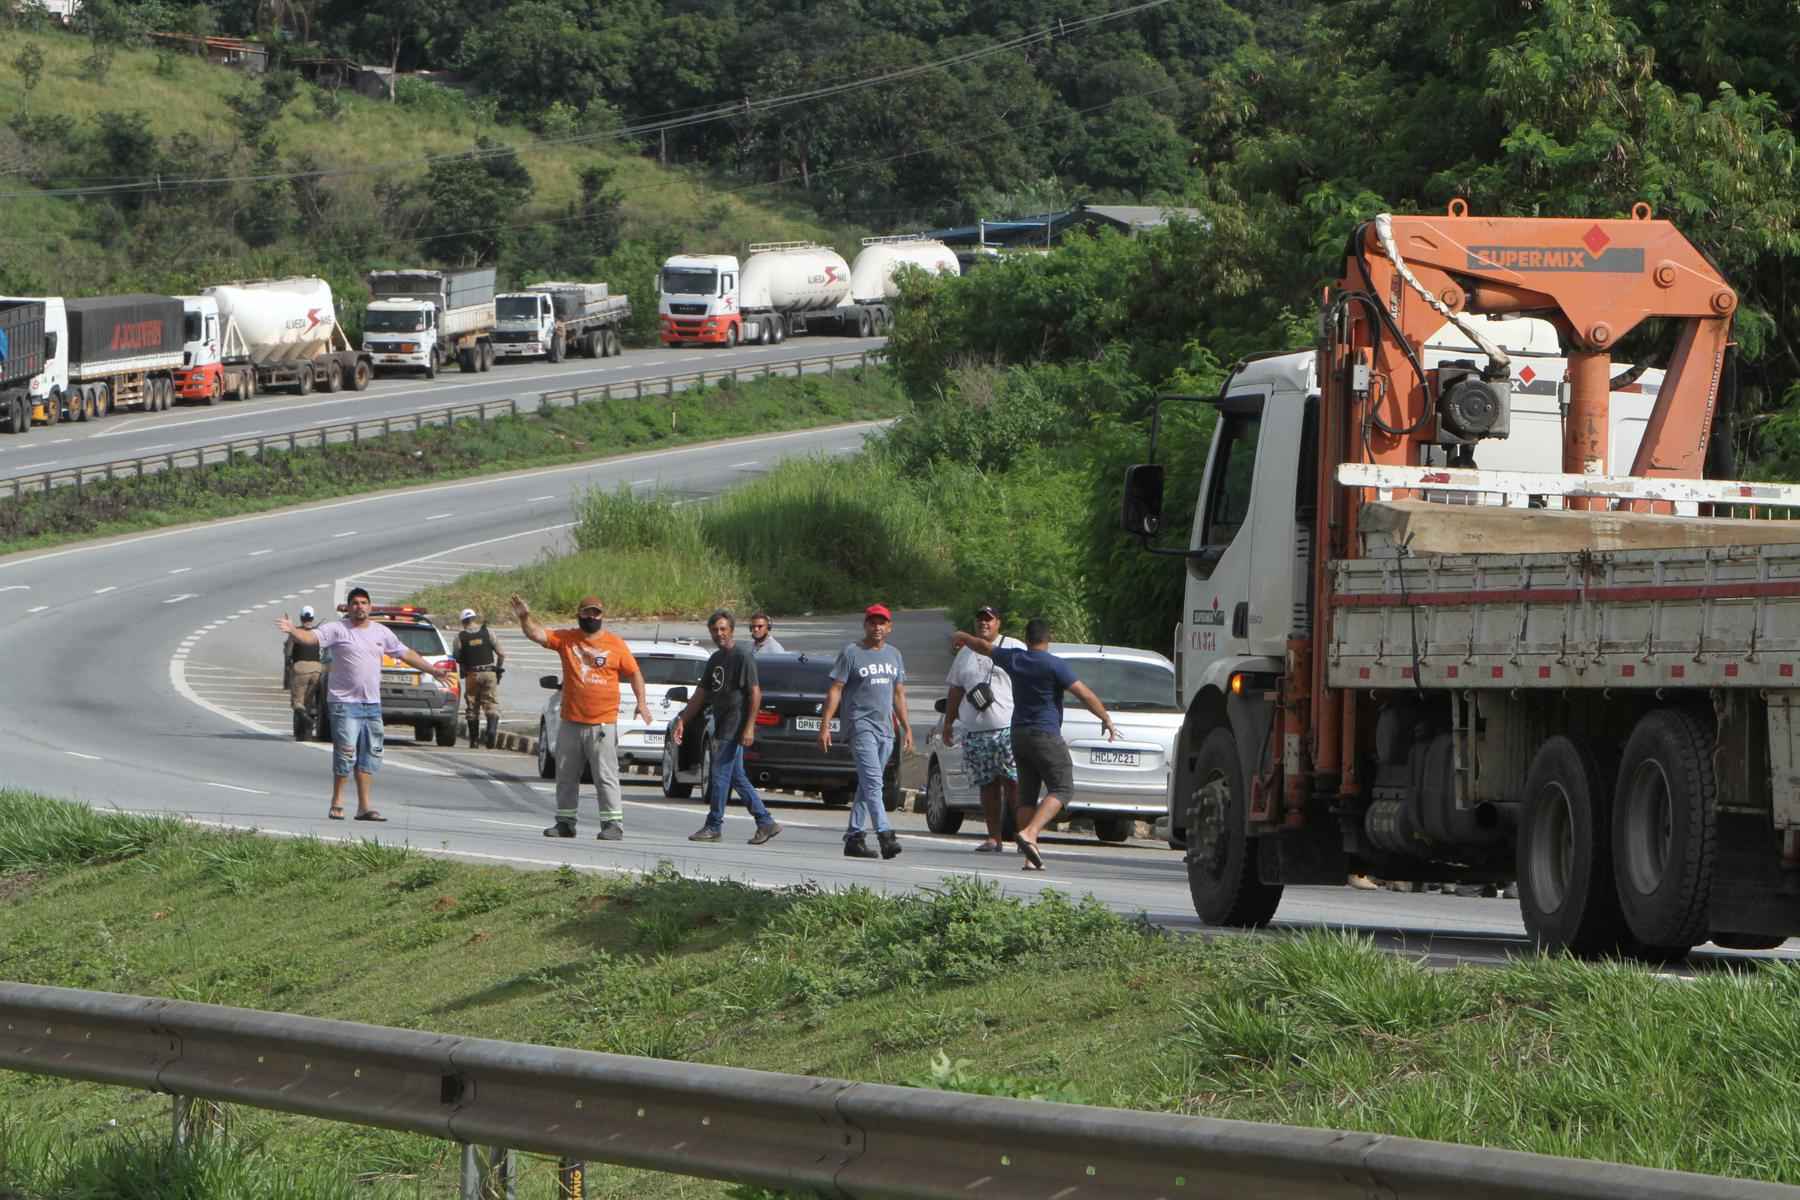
point(1116, 783)
point(666, 665)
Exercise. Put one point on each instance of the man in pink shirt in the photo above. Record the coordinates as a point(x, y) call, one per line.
point(353, 694)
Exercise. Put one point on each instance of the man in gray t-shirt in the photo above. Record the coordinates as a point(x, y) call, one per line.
point(730, 685)
point(869, 681)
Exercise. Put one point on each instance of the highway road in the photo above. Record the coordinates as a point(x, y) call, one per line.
point(142, 675)
point(131, 435)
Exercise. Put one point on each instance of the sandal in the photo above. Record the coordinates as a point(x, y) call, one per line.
point(336, 812)
point(1033, 859)
point(989, 848)
point(370, 815)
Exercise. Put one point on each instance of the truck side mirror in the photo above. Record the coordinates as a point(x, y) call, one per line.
point(549, 682)
point(1141, 513)
point(939, 706)
point(676, 695)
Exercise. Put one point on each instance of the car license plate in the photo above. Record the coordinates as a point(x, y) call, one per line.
point(1113, 758)
point(654, 737)
point(811, 724)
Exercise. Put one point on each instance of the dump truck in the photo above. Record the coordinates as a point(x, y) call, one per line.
point(245, 338)
point(552, 320)
point(1398, 661)
point(422, 319)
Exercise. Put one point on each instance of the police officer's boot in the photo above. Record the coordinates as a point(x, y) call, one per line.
point(493, 729)
point(474, 730)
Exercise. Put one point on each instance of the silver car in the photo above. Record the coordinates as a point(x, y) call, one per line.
point(666, 664)
point(1116, 783)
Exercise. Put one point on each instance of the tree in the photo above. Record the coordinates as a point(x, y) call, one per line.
point(29, 63)
point(592, 226)
point(471, 201)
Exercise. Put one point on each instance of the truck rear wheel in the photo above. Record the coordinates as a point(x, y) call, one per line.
point(18, 415)
point(731, 338)
point(247, 385)
point(1567, 894)
point(1223, 876)
point(1664, 829)
point(612, 343)
point(361, 375)
point(303, 382)
point(465, 360)
point(486, 357)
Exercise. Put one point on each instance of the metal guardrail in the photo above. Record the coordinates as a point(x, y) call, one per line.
point(355, 432)
point(758, 1127)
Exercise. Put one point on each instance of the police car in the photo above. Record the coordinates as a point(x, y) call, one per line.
point(409, 697)
point(667, 664)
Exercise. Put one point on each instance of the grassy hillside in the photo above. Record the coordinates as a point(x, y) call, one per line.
point(368, 147)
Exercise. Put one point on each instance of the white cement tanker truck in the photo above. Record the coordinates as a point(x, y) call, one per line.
point(244, 338)
point(872, 274)
point(782, 288)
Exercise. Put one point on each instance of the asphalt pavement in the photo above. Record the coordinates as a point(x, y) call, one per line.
point(143, 675)
point(128, 435)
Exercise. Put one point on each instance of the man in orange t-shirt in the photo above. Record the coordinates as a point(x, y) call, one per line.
point(588, 735)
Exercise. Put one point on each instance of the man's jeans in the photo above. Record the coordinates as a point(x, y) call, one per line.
point(728, 776)
point(871, 751)
point(356, 738)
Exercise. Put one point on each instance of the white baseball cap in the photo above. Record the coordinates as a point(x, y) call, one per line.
point(305, 611)
point(468, 614)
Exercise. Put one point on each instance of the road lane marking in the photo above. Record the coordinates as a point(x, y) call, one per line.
point(181, 570)
point(260, 553)
point(232, 787)
point(180, 598)
point(439, 516)
point(40, 608)
point(345, 534)
point(35, 466)
point(742, 465)
point(536, 499)
point(641, 482)
point(16, 587)
point(58, 441)
point(104, 590)
point(79, 754)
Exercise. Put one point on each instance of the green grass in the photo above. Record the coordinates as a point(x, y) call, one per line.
point(583, 433)
point(958, 987)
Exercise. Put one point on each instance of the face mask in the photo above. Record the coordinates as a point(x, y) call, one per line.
point(590, 624)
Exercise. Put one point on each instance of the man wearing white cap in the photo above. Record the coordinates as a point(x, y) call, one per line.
point(482, 661)
point(304, 672)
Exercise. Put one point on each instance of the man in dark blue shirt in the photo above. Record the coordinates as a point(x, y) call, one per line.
point(1039, 679)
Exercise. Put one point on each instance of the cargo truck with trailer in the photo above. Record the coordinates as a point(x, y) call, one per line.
point(422, 320)
point(24, 341)
point(245, 338)
point(1397, 661)
point(104, 353)
point(553, 320)
point(782, 288)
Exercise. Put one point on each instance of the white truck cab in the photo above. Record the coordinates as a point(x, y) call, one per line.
point(202, 340)
point(525, 325)
point(697, 299)
point(48, 388)
point(402, 333)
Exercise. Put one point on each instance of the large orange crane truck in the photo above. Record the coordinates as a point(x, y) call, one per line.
point(1397, 662)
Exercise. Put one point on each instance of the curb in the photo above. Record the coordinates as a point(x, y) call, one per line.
point(515, 741)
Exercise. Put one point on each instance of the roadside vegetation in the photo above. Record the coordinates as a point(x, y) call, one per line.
point(948, 988)
point(583, 433)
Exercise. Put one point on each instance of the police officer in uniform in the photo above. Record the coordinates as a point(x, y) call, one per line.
point(304, 673)
point(482, 662)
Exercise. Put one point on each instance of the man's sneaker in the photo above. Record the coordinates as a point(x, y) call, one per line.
point(857, 846)
point(560, 829)
point(706, 833)
point(611, 831)
point(764, 833)
point(890, 843)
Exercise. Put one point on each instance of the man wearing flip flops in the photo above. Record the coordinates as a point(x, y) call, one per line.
point(1039, 679)
point(981, 700)
point(353, 694)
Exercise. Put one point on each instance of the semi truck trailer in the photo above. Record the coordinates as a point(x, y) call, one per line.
point(23, 343)
point(782, 288)
point(1398, 659)
point(552, 320)
point(422, 319)
point(103, 353)
point(245, 338)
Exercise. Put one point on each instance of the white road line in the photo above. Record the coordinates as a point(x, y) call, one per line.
point(260, 553)
point(641, 482)
point(35, 466)
point(180, 598)
point(536, 499)
point(181, 570)
point(742, 465)
point(16, 587)
point(508, 824)
point(58, 441)
point(232, 787)
point(40, 608)
point(143, 450)
point(439, 516)
point(79, 754)
point(106, 589)
point(345, 534)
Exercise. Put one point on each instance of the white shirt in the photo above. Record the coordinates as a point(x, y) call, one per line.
point(971, 668)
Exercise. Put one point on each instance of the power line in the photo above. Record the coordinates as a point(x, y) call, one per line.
point(642, 130)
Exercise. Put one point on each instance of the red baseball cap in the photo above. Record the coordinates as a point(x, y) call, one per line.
point(878, 610)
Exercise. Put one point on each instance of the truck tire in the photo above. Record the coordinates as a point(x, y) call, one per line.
point(1567, 894)
point(1223, 876)
point(216, 392)
point(589, 345)
point(556, 349)
point(486, 362)
point(303, 382)
point(863, 325)
point(331, 377)
point(1665, 829)
point(18, 418)
point(731, 338)
point(247, 388)
point(53, 408)
point(465, 360)
point(361, 376)
point(939, 816)
point(79, 399)
point(612, 343)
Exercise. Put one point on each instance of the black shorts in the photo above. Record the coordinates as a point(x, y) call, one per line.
point(1044, 765)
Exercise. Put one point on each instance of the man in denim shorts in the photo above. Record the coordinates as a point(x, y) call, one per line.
point(353, 694)
point(981, 700)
